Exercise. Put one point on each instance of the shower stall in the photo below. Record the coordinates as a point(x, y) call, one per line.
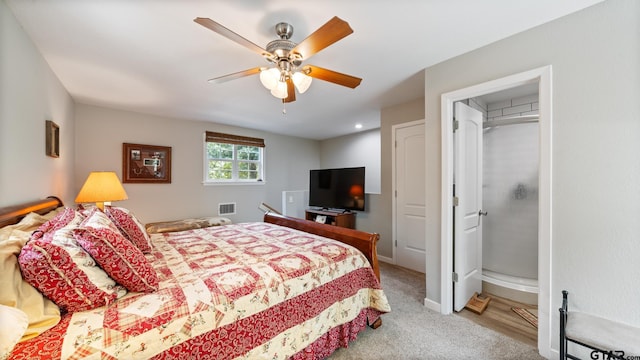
point(510, 197)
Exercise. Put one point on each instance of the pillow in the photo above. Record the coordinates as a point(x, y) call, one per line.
point(13, 323)
point(42, 313)
point(97, 219)
point(84, 210)
point(122, 260)
point(63, 218)
point(56, 265)
point(130, 227)
point(185, 224)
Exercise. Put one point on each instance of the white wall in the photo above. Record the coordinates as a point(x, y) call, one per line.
point(596, 141)
point(410, 111)
point(30, 94)
point(355, 150)
point(100, 133)
point(295, 203)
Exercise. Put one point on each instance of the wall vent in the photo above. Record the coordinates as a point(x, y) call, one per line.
point(226, 208)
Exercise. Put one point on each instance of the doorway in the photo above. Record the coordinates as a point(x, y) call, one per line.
point(510, 193)
point(505, 265)
point(541, 77)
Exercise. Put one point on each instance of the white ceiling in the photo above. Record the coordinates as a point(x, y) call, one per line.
point(149, 56)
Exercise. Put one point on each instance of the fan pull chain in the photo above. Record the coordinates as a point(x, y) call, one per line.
point(284, 107)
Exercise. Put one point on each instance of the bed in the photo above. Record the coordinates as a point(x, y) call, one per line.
point(283, 288)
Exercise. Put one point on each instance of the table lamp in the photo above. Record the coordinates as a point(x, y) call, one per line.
point(101, 187)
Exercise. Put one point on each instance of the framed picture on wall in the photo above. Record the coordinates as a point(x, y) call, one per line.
point(146, 163)
point(52, 142)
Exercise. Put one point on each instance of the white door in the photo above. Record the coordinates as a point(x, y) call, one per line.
point(467, 220)
point(410, 187)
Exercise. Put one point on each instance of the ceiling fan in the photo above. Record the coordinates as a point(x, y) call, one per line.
point(288, 73)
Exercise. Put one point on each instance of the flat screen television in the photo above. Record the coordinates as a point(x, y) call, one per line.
point(341, 189)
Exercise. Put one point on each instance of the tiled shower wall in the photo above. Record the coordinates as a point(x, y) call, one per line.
point(525, 105)
point(510, 197)
point(510, 188)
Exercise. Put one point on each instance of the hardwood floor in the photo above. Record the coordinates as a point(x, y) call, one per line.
point(499, 317)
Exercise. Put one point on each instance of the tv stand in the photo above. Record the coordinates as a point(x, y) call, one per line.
point(337, 218)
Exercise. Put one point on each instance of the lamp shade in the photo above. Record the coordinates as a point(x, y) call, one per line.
point(301, 81)
point(269, 78)
point(280, 91)
point(101, 186)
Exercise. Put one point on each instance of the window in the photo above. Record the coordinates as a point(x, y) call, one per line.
point(233, 158)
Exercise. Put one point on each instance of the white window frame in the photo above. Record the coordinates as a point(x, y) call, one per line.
point(235, 180)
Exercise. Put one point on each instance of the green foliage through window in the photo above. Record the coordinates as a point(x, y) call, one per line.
point(228, 162)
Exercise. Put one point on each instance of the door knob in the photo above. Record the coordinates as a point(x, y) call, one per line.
point(482, 213)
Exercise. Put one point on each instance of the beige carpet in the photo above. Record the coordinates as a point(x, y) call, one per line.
point(411, 331)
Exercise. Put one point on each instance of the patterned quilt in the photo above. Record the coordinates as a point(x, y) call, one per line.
point(248, 291)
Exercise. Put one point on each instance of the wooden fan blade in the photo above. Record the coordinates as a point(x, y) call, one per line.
point(291, 92)
point(331, 76)
point(216, 27)
point(334, 30)
point(234, 76)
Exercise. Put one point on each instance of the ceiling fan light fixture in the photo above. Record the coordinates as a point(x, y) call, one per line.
point(280, 91)
point(288, 75)
point(269, 78)
point(301, 81)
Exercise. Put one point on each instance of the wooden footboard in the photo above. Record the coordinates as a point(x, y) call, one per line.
point(363, 241)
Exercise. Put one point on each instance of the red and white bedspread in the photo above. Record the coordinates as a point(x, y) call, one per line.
point(249, 291)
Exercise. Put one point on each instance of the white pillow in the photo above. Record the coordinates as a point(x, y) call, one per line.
point(13, 324)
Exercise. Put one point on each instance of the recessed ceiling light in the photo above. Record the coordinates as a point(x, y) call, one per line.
point(358, 126)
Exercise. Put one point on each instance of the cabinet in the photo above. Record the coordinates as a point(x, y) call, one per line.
point(342, 219)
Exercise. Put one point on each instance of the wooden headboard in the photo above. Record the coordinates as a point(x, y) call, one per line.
point(10, 215)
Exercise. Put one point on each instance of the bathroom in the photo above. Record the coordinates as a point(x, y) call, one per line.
point(510, 193)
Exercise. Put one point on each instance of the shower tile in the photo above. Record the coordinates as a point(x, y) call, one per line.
point(499, 105)
point(528, 99)
point(516, 109)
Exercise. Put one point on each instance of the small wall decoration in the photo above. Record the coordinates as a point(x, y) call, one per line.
point(146, 163)
point(52, 142)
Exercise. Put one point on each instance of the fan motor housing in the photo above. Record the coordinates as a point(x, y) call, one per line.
point(284, 30)
point(280, 47)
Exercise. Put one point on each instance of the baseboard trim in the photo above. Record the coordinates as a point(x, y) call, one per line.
point(432, 305)
point(388, 260)
point(550, 353)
